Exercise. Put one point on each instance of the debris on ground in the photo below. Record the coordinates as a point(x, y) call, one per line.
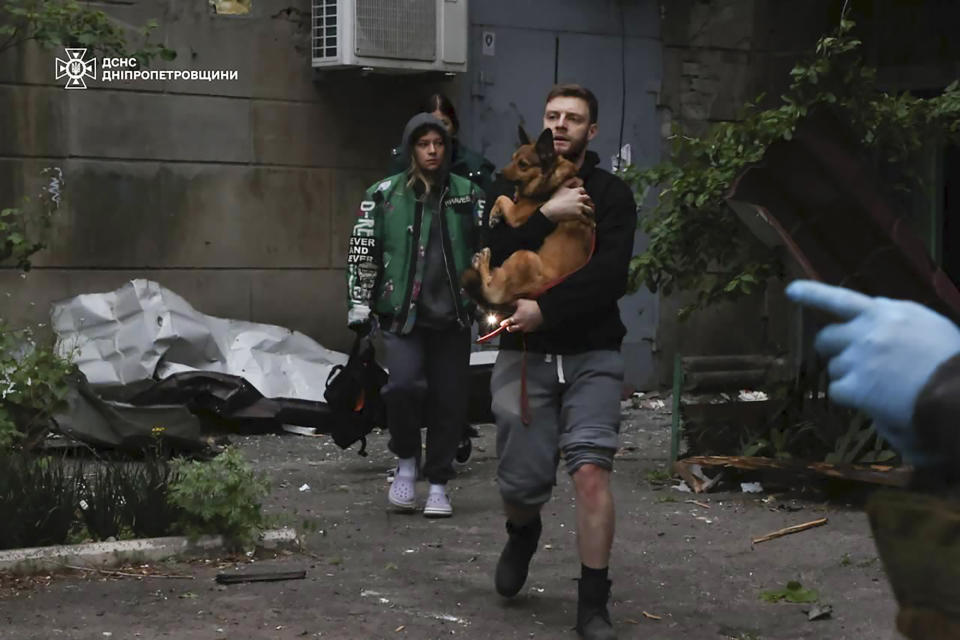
point(751, 487)
point(694, 476)
point(871, 474)
point(301, 431)
point(797, 528)
point(794, 592)
point(819, 612)
point(259, 576)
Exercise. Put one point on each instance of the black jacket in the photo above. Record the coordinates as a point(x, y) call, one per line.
point(581, 313)
point(936, 418)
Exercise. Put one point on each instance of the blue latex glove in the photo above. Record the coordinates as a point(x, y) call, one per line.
point(881, 357)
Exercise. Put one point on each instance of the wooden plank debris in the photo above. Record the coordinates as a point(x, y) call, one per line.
point(884, 475)
point(797, 528)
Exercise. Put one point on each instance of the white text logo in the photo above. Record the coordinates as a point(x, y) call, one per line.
point(75, 69)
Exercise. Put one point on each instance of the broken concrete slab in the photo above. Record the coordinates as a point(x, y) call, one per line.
point(111, 554)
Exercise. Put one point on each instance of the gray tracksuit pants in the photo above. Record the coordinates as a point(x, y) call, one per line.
point(428, 387)
point(574, 404)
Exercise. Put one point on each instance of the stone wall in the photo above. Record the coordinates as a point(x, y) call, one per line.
point(238, 195)
point(718, 55)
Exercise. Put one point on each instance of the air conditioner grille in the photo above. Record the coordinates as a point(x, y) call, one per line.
point(325, 32)
point(404, 29)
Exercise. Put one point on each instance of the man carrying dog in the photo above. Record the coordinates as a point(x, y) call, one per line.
point(557, 382)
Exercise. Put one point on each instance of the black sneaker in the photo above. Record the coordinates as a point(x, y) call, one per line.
point(515, 558)
point(593, 619)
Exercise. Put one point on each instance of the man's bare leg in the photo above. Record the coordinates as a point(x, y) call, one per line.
point(595, 515)
point(595, 525)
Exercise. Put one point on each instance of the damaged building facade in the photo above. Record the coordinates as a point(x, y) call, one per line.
point(719, 55)
point(239, 194)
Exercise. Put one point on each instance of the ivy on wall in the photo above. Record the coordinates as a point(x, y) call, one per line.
point(693, 244)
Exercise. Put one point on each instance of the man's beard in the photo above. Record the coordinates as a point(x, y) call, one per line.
point(575, 148)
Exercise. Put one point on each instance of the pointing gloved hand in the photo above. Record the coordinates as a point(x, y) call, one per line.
point(881, 357)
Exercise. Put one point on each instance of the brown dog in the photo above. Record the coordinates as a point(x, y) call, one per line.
point(539, 171)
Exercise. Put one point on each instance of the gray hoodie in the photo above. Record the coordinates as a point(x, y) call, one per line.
point(414, 123)
point(436, 306)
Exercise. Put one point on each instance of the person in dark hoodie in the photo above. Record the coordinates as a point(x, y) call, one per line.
point(561, 360)
point(463, 161)
point(414, 236)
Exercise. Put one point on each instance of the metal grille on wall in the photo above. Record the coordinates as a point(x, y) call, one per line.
point(404, 29)
point(325, 29)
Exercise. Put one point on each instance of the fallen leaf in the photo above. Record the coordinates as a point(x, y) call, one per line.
point(651, 616)
point(793, 593)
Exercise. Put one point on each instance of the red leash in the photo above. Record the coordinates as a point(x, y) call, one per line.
point(524, 398)
point(556, 281)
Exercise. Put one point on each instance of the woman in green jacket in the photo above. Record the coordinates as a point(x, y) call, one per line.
point(463, 161)
point(415, 235)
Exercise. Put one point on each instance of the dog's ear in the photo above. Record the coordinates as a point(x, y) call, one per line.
point(524, 138)
point(545, 148)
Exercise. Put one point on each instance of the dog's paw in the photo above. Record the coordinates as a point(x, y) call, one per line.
point(481, 259)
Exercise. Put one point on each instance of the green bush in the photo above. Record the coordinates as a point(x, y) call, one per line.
point(102, 505)
point(693, 243)
point(55, 500)
point(221, 496)
point(38, 500)
point(145, 491)
point(33, 384)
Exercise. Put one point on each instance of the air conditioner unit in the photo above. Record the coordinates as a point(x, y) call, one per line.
point(390, 35)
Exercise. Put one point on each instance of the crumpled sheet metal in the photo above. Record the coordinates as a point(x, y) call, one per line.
point(125, 339)
point(88, 418)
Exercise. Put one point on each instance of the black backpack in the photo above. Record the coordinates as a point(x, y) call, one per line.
point(353, 393)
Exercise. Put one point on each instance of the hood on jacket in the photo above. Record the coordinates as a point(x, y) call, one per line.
point(416, 127)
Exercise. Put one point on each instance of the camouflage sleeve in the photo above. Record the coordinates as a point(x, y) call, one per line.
point(935, 418)
point(363, 260)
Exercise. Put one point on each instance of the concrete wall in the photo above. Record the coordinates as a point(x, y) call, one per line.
point(717, 55)
point(238, 195)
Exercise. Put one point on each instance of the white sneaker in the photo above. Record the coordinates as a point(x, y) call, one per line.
point(438, 505)
point(403, 490)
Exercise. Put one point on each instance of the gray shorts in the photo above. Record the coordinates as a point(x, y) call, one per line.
point(574, 405)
